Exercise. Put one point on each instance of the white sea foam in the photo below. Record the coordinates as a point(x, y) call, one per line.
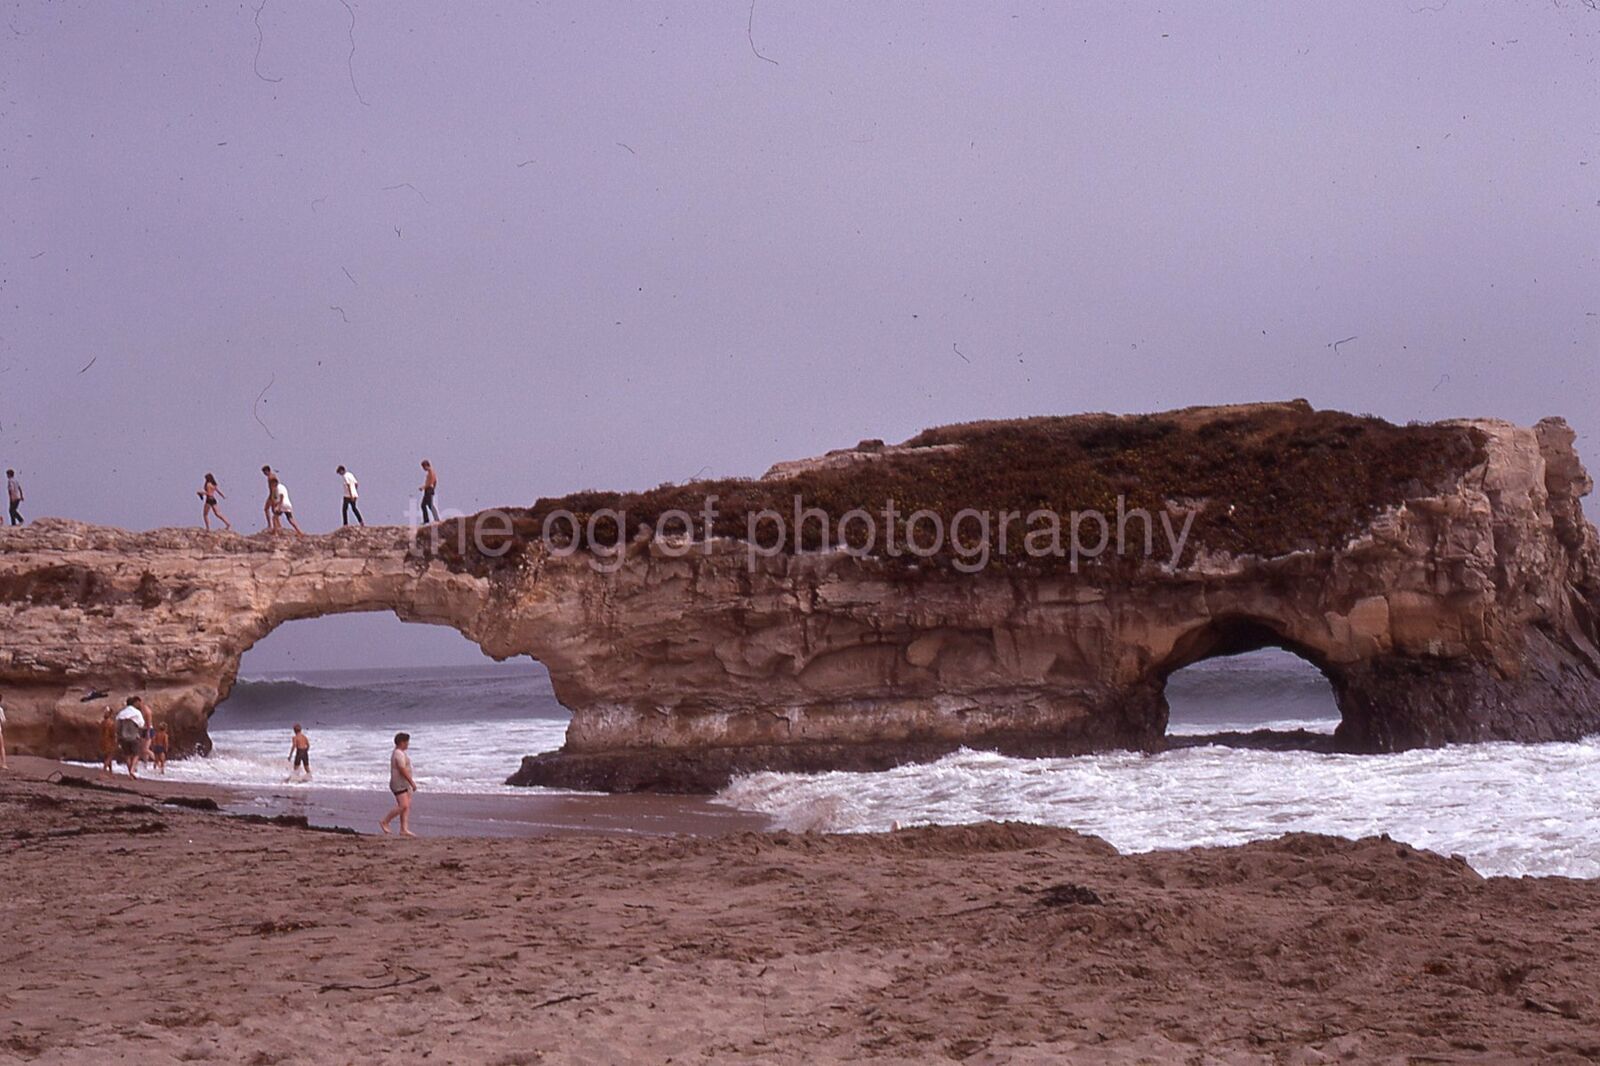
point(463, 756)
point(469, 726)
point(1507, 808)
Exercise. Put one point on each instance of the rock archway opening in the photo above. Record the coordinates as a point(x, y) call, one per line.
point(353, 681)
point(1241, 683)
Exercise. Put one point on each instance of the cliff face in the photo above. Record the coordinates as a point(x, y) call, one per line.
point(1443, 578)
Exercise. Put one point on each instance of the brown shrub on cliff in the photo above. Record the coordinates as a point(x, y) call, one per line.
point(1267, 479)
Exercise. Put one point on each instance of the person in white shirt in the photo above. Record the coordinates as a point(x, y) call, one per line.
point(131, 725)
point(2, 737)
point(284, 509)
point(352, 493)
point(14, 496)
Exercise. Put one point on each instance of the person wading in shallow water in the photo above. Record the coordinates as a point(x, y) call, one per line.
point(402, 784)
point(430, 485)
point(352, 493)
point(300, 752)
point(131, 724)
point(159, 745)
point(210, 493)
point(108, 740)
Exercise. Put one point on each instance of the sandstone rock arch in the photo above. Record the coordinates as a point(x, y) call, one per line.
point(1443, 577)
point(1239, 634)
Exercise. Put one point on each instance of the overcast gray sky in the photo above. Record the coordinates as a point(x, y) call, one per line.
point(564, 245)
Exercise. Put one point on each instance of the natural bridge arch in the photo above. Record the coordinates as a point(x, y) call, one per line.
point(362, 649)
point(1443, 577)
point(1240, 635)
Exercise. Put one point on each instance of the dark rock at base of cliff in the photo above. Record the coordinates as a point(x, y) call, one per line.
point(1260, 740)
point(708, 770)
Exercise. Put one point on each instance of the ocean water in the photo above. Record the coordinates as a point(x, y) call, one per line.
point(469, 726)
point(1507, 808)
point(1514, 809)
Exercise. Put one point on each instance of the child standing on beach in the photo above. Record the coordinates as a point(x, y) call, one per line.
point(158, 747)
point(402, 784)
point(108, 740)
point(300, 752)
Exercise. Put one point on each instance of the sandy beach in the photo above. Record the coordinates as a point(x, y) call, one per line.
point(140, 931)
point(533, 814)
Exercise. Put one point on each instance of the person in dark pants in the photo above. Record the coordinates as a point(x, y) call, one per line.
point(430, 485)
point(15, 497)
point(352, 493)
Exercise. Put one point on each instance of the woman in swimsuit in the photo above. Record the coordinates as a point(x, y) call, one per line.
point(211, 494)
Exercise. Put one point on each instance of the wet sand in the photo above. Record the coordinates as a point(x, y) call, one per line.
point(530, 812)
point(135, 931)
point(534, 814)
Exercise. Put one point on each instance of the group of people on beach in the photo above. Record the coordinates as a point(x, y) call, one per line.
point(279, 509)
point(401, 780)
point(133, 736)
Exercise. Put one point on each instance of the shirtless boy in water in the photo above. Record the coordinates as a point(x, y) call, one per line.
point(300, 752)
point(159, 745)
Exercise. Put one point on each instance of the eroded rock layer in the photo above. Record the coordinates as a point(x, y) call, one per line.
point(1443, 577)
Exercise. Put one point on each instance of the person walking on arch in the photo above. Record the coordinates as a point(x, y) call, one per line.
point(210, 493)
point(14, 496)
point(278, 508)
point(430, 485)
point(269, 509)
point(352, 493)
point(285, 509)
